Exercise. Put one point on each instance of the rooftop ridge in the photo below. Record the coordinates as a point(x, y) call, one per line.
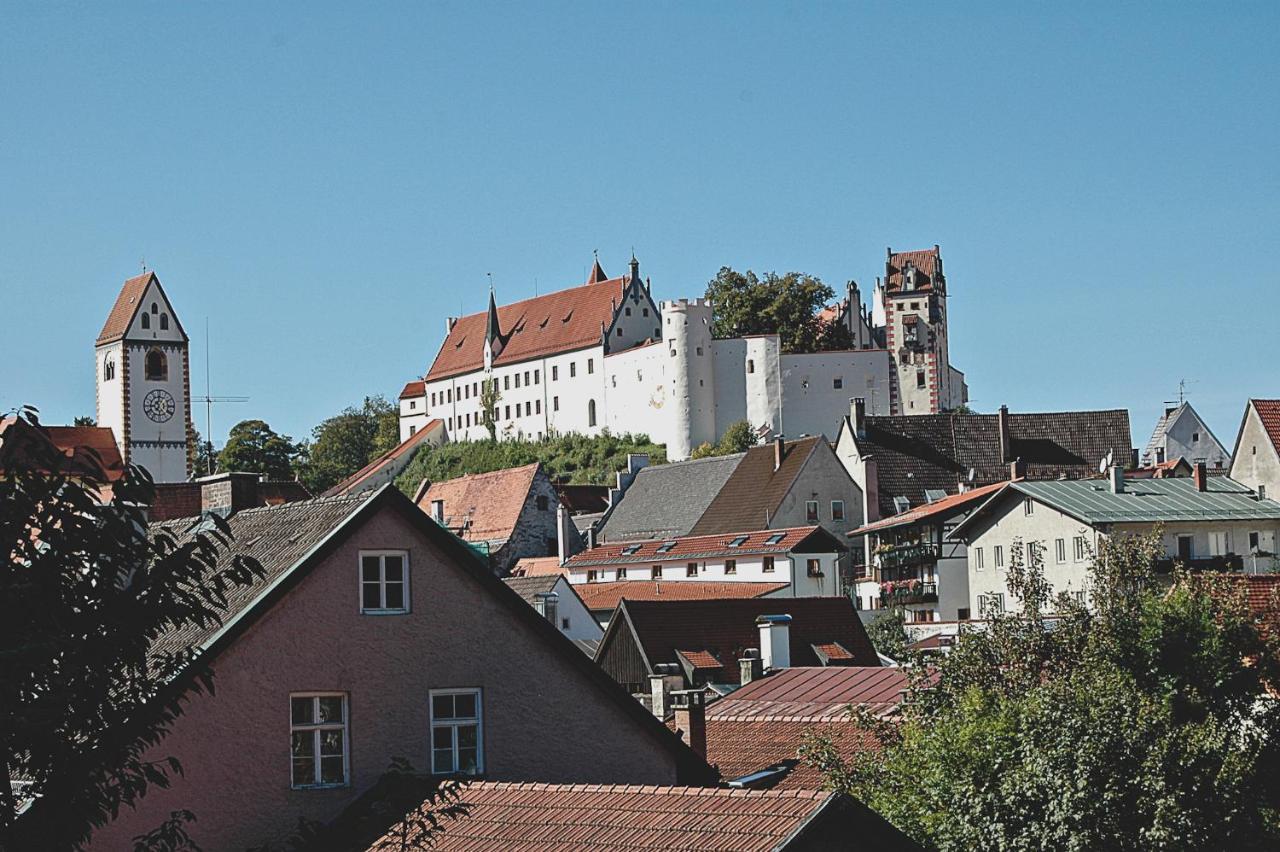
point(815, 795)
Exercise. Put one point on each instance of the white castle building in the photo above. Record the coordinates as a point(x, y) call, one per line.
point(604, 355)
point(143, 380)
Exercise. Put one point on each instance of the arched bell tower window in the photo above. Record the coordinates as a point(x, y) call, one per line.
point(164, 322)
point(146, 320)
point(108, 370)
point(157, 366)
point(154, 309)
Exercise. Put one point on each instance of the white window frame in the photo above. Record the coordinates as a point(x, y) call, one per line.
point(997, 556)
point(1060, 550)
point(834, 515)
point(977, 559)
point(317, 728)
point(382, 582)
point(1081, 549)
point(453, 724)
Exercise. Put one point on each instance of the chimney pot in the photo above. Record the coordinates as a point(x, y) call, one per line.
point(777, 452)
point(1017, 469)
point(1117, 479)
point(749, 667)
point(1200, 476)
point(1005, 448)
point(691, 718)
point(775, 641)
point(858, 414)
point(224, 494)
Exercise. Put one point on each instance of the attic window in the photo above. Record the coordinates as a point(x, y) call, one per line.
point(901, 504)
point(776, 538)
point(738, 541)
point(567, 317)
point(630, 549)
point(933, 495)
point(666, 546)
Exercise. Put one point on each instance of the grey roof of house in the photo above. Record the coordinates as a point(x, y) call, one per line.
point(665, 501)
point(528, 587)
point(1145, 501)
point(1163, 425)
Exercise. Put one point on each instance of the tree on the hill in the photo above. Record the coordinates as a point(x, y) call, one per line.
point(345, 443)
point(253, 447)
point(1146, 723)
point(489, 398)
point(786, 305)
point(85, 593)
point(738, 438)
point(84, 420)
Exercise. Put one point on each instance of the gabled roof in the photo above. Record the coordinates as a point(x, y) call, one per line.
point(725, 628)
point(76, 448)
point(1092, 501)
point(482, 506)
point(928, 263)
point(289, 540)
point(752, 494)
point(815, 538)
point(544, 325)
point(602, 597)
point(812, 694)
point(586, 818)
point(396, 456)
point(1268, 411)
point(126, 306)
point(1165, 423)
point(414, 389)
point(538, 566)
point(938, 510)
point(667, 499)
point(530, 587)
point(918, 452)
point(740, 748)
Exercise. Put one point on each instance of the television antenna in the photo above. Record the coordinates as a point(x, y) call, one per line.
point(1182, 391)
point(210, 400)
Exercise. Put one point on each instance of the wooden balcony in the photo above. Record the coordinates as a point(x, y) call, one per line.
point(908, 554)
point(903, 592)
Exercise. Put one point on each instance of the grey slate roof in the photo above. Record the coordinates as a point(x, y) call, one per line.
point(666, 500)
point(277, 536)
point(527, 587)
point(1143, 501)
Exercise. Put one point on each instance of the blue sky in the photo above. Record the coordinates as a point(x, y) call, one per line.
point(326, 182)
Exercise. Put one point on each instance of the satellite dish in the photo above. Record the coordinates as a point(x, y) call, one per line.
point(1102, 465)
point(973, 473)
point(1110, 458)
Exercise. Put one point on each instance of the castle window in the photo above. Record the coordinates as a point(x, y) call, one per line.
point(919, 378)
point(537, 406)
point(536, 377)
point(528, 408)
point(628, 312)
point(164, 322)
point(591, 412)
point(573, 369)
point(555, 403)
point(646, 312)
point(517, 380)
point(108, 370)
point(146, 321)
point(699, 350)
point(154, 309)
point(156, 368)
point(751, 366)
point(619, 332)
point(506, 383)
point(591, 365)
point(837, 382)
point(508, 412)
point(526, 378)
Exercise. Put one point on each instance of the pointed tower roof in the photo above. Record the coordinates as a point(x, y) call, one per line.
point(126, 308)
point(597, 273)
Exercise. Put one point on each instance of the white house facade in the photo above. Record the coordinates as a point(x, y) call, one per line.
point(1255, 461)
point(1182, 434)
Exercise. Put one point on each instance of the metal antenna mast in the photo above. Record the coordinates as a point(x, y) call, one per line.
point(209, 399)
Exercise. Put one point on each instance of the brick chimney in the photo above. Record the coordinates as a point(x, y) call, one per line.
point(1200, 476)
point(224, 494)
point(691, 718)
point(562, 533)
point(1005, 450)
point(775, 641)
point(666, 679)
point(858, 416)
point(1017, 469)
point(750, 667)
point(777, 452)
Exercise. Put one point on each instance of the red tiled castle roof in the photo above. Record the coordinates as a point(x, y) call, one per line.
point(927, 262)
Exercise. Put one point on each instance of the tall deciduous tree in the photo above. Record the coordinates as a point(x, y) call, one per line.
point(786, 305)
point(85, 594)
point(1147, 722)
point(489, 398)
point(253, 447)
point(345, 443)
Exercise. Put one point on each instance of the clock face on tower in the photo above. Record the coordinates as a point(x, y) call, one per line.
point(159, 405)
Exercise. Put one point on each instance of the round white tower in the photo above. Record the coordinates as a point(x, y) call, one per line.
point(686, 332)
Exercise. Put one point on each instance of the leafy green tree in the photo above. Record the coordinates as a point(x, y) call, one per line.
point(738, 438)
point(833, 335)
point(85, 593)
point(489, 398)
point(786, 305)
point(84, 420)
point(345, 443)
point(253, 447)
point(1146, 722)
point(206, 460)
point(888, 633)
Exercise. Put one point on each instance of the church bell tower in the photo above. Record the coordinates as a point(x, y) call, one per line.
point(143, 380)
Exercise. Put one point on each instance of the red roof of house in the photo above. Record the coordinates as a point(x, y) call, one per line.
point(607, 596)
point(482, 506)
point(703, 546)
point(925, 261)
point(125, 307)
point(75, 444)
point(725, 628)
point(414, 389)
point(524, 817)
point(939, 508)
point(391, 456)
point(1269, 413)
point(814, 693)
point(741, 747)
point(538, 566)
point(544, 325)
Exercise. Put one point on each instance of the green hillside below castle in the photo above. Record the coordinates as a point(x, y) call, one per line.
point(576, 459)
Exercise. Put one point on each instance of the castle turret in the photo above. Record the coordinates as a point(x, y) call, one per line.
point(686, 326)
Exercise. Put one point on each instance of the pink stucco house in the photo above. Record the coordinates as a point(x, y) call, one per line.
point(377, 634)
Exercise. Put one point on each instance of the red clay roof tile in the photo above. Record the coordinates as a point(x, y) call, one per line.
point(701, 546)
point(607, 596)
point(1269, 413)
point(482, 506)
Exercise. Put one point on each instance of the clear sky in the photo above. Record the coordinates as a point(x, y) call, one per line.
point(326, 182)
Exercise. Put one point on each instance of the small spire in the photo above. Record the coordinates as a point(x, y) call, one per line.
point(635, 266)
point(597, 271)
point(492, 331)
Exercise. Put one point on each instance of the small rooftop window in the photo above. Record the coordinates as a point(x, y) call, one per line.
point(738, 541)
point(630, 549)
point(933, 495)
point(776, 538)
point(666, 546)
point(901, 504)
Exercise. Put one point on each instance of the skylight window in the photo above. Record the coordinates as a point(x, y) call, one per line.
point(630, 549)
point(666, 546)
point(776, 538)
point(738, 541)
